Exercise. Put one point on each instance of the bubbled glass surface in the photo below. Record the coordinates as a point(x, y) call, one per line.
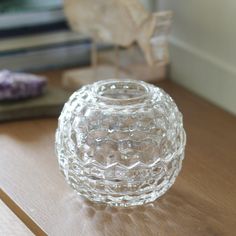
point(120, 142)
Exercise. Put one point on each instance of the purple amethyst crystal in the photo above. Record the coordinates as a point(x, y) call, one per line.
point(15, 86)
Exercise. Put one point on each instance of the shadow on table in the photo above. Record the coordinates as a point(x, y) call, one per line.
point(172, 214)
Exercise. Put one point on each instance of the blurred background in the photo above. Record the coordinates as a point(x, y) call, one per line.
point(34, 36)
point(202, 47)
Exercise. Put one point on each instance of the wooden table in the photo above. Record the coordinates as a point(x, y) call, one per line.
point(201, 202)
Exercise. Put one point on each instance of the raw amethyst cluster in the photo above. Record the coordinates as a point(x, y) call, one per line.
point(15, 86)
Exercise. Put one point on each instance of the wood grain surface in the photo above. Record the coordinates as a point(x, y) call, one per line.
point(201, 202)
point(10, 225)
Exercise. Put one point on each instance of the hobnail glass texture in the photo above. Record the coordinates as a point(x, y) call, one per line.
point(120, 142)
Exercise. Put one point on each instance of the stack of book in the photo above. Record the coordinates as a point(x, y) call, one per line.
point(34, 35)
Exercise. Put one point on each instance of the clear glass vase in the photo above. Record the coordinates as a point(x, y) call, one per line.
point(120, 142)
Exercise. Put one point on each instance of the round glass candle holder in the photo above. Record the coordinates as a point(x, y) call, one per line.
point(120, 142)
